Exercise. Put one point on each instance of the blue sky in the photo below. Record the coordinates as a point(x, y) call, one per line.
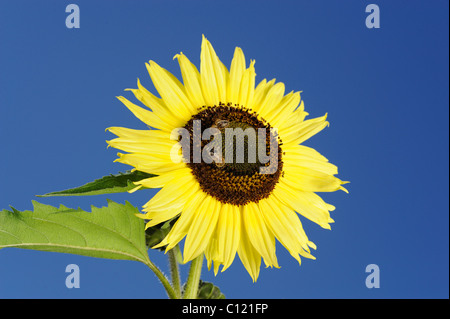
point(385, 91)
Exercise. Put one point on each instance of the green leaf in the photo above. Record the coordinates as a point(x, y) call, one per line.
point(112, 232)
point(118, 183)
point(207, 290)
point(155, 234)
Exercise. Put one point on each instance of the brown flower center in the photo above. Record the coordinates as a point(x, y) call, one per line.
point(241, 157)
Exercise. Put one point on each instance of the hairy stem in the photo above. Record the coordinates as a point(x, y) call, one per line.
point(163, 279)
point(174, 272)
point(193, 278)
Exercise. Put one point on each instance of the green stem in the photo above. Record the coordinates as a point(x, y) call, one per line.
point(193, 278)
point(163, 279)
point(174, 273)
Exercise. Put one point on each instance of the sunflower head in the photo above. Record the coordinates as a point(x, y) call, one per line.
point(230, 162)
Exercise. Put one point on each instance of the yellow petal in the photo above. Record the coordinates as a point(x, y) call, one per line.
point(249, 256)
point(132, 133)
point(161, 216)
point(228, 233)
point(164, 179)
point(309, 180)
point(156, 147)
point(260, 236)
point(237, 70)
point(173, 193)
point(247, 89)
point(285, 225)
point(171, 91)
point(201, 229)
point(157, 105)
point(300, 156)
point(305, 204)
point(213, 78)
point(284, 110)
point(226, 81)
point(302, 131)
point(182, 225)
point(191, 80)
point(271, 100)
point(261, 92)
point(146, 116)
point(295, 118)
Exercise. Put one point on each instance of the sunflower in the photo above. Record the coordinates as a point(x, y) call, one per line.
point(227, 205)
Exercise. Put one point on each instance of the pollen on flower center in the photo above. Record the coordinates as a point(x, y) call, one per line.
point(237, 175)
